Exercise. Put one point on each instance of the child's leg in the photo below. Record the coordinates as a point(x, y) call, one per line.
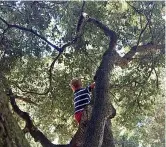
point(78, 116)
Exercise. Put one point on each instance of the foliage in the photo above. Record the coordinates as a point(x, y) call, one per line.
point(26, 58)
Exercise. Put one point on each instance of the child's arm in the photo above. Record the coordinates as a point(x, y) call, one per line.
point(92, 86)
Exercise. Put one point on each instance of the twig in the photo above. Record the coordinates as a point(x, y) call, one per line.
point(135, 9)
point(50, 79)
point(142, 31)
point(157, 78)
point(137, 99)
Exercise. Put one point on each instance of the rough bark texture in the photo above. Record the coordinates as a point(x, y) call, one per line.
point(108, 140)
point(102, 108)
point(79, 137)
point(11, 134)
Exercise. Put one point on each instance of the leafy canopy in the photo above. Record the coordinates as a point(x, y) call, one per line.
point(26, 58)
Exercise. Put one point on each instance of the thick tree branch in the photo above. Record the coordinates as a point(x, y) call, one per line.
point(81, 18)
point(123, 61)
point(35, 133)
point(105, 29)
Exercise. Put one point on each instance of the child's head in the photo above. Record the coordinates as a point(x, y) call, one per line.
point(76, 84)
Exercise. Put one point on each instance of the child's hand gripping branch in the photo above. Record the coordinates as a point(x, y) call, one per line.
point(81, 97)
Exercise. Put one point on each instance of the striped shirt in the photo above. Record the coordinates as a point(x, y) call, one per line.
point(81, 98)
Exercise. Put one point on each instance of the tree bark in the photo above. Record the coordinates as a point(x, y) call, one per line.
point(11, 134)
point(102, 108)
point(108, 140)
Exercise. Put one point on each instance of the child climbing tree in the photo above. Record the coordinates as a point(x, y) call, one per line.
point(33, 41)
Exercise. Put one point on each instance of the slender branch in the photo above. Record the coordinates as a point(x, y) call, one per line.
point(135, 9)
point(31, 31)
point(148, 19)
point(123, 61)
point(27, 100)
point(50, 79)
point(137, 99)
point(157, 78)
point(51, 68)
point(142, 31)
point(140, 21)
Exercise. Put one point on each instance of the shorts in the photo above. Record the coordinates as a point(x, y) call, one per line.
point(78, 116)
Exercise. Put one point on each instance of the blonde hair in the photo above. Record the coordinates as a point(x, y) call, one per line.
point(76, 83)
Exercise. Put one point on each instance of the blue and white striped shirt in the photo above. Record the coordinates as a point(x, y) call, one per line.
point(81, 98)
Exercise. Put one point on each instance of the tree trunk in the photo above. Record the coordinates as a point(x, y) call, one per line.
point(79, 137)
point(108, 140)
point(11, 134)
point(102, 109)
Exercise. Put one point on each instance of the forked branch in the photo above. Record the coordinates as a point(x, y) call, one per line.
point(80, 25)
